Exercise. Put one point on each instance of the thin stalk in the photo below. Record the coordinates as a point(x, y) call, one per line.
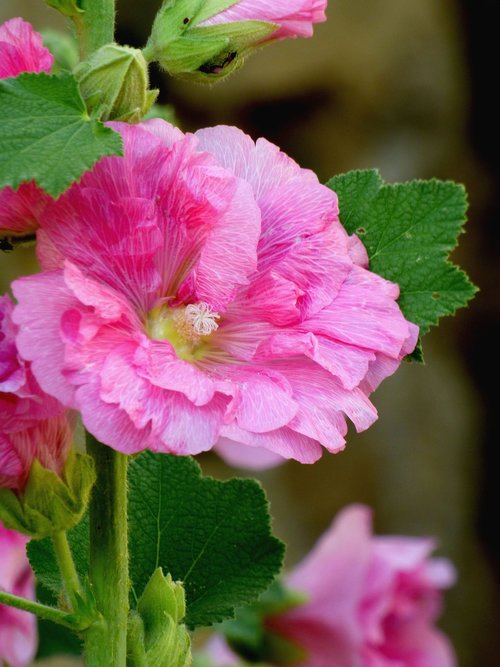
point(67, 567)
point(41, 610)
point(106, 641)
point(97, 25)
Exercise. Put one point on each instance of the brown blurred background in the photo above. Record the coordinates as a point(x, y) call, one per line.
point(402, 86)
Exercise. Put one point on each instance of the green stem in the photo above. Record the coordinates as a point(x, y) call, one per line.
point(97, 26)
point(106, 641)
point(41, 610)
point(67, 567)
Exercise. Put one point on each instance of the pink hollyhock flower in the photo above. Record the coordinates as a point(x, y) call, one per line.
point(21, 50)
point(372, 602)
point(294, 18)
point(18, 634)
point(208, 293)
point(32, 424)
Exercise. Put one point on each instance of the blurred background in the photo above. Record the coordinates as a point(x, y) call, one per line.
point(402, 86)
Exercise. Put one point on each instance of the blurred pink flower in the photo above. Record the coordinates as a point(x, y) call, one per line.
point(21, 50)
point(32, 424)
point(294, 17)
point(372, 602)
point(18, 633)
point(202, 290)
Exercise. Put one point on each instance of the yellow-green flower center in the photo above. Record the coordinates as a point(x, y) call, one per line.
point(186, 327)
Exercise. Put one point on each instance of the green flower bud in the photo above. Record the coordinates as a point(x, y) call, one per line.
point(48, 503)
point(114, 83)
point(156, 637)
point(186, 49)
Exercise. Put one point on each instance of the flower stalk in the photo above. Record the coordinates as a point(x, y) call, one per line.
point(106, 640)
point(67, 567)
point(41, 610)
point(97, 26)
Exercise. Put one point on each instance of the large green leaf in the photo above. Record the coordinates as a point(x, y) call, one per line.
point(46, 134)
point(213, 536)
point(409, 230)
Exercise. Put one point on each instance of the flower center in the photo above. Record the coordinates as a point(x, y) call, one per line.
point(184, 327)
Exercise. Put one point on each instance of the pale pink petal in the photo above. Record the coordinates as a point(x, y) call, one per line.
point(283, 441)
point(294, 17)
point(242, 456)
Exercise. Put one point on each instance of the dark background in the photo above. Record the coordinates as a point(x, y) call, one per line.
point(403, 86)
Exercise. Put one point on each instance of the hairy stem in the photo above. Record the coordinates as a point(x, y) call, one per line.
point(67, 568)
point(97, 25)
point(106, 641)
point(41, 610)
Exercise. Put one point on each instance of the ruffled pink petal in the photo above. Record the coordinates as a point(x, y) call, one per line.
point(348, 363)
point(365, 314)
point(264, 399)
point(160, 220)
point(294, 17)
point(302, 241)
point(43, 299)
point(22, 50)
point(283, 441)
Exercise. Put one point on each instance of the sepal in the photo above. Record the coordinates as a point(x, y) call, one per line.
point(114, 84)
point(186, 49)
point(49, 503)
point(156, 636)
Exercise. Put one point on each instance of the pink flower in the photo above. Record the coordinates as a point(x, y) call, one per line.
point(21, 50)
point(32, 424)
point(22, 402)
point(208, 293)
point(18, 634)
point(294, 18)
point(372, 602)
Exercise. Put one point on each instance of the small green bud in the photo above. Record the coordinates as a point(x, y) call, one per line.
point(49, 503)
point(114, 83)
point(186, 49)
point(156, 636)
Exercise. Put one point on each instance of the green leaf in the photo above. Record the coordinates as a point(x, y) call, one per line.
point(409, 230)
point(46, 133)
point(43, 560)
point(213, 536)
